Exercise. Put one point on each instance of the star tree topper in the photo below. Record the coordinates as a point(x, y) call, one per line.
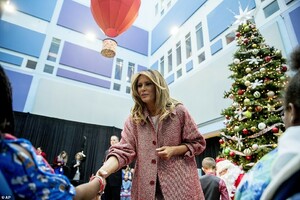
point(243, 16)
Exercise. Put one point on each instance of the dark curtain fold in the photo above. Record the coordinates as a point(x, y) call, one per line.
point(212, 150)
point(55, 135)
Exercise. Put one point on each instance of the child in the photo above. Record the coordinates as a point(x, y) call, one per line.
point(213, 187)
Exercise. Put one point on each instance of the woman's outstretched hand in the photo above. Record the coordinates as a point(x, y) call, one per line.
point(102, 173)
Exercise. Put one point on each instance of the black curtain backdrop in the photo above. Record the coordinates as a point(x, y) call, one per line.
point(212, 150)
point(55, 135)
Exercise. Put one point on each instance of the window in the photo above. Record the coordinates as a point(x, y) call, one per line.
point(48, 69)
point(230, 37)
point(162, 66)
point(288, 1)
point(199, 36)
point(31, 64)
point(169, 4)
point(170, 60)
point(188, 45)
point(130, 71)
point(201, 57)
point(271, 8)
point(178, 53)
point(119, 67)
point(179, 73)
point(52, 54)
point(128, 90)
point(117, 86)
point(156, 9)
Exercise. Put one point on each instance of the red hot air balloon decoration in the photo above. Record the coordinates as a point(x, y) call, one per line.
point(114, 17)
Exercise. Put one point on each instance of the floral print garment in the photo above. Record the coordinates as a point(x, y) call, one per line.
point(257, 179)
point(31, 178)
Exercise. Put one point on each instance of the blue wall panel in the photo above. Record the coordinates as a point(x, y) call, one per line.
point(170, 79)
point(72, 11)
point(21, 40)
point(179, 13)
point(134, 39)
point(86, 59)
point(222, 16)
point(295, 16)
point(20, 86)
point(141, 68)
point(82, 78)
point(217, 46)
point(11, 59)
point(42, 9)
point(155, 66)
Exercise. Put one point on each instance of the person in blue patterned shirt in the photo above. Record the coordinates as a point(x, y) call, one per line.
point(26, 175)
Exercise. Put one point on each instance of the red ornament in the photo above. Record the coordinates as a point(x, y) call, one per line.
point(238, 34)
point(232, 153)
point(275, 130)
point(240, 92)
point(283, 68)
point(258, 108)
point(246, 41)
point(267, 58)
point(114, 17)
point(248, 157)
point(221, 141)
point(245, 131)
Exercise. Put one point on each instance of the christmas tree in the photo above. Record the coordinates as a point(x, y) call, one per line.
point(254, 119)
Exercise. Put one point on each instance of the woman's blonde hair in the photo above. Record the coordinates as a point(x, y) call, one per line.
point(163, 102)
point(66, 156)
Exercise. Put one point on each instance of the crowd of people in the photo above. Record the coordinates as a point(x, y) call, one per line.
point(161, 137)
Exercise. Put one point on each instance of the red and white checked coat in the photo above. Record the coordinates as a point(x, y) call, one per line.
point(178, 176)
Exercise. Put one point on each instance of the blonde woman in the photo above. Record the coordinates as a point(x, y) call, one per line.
point(59, 162)
point(163, 139)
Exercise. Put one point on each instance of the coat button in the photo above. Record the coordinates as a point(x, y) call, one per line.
point(151, 182)
point(154, 142)
point(153, 161)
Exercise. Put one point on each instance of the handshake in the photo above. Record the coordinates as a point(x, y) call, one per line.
point(101, 176)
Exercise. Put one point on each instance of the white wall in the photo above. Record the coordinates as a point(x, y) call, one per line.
point(65, 101)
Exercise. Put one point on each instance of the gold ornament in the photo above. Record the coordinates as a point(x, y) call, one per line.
point(253, 129)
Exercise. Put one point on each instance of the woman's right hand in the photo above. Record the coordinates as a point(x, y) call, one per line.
point(102, 173)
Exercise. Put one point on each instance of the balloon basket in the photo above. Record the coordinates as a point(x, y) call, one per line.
point(109, 48)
